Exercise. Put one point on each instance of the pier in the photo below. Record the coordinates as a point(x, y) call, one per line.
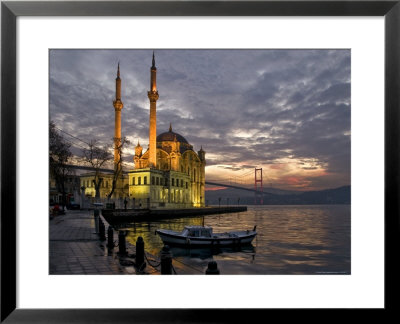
point(131, 215)
point(76, 246)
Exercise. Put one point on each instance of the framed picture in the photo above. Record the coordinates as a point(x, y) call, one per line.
point(210, 28)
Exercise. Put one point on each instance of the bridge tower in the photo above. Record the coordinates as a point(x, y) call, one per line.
point(258, 186)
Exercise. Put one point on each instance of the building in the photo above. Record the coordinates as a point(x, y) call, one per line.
point(170, 173)
point(87, 185)
point(71, 188)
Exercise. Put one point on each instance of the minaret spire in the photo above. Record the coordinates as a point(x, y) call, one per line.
point(118, 86)
point(153, 97)
point(153, 75)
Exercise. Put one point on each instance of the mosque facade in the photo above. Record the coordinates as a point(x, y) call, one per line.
point(170, 173)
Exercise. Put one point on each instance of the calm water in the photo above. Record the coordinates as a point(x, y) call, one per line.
point(290, 240)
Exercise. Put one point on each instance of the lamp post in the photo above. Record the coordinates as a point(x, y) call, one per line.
point(82, 196)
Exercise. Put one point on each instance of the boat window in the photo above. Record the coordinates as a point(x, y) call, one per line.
point(205, 233)
point(194, 233)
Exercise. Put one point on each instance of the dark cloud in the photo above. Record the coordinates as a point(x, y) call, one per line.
point(247, 107)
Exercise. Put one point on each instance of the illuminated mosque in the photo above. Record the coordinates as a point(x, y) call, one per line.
point(169, 174)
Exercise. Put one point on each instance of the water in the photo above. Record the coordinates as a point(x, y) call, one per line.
point(290, 240)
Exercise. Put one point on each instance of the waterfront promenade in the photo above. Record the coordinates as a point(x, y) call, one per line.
point(75, 248)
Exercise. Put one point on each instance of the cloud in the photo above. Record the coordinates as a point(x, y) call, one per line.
point(258, 106)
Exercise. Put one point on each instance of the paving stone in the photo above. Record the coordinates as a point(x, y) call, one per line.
point(75, 248)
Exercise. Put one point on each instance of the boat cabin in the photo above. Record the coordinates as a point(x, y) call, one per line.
point(197, 231)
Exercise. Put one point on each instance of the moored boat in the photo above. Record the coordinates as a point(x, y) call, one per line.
point(193, 236)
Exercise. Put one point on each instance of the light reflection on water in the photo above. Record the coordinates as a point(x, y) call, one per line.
point(290, 240)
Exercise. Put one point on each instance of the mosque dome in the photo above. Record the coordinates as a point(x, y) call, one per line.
point(170, 137)
point(181, 144)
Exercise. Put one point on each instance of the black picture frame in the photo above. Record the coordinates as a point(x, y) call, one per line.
point(10, 10)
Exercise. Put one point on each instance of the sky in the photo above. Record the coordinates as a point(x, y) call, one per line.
point(285, 111)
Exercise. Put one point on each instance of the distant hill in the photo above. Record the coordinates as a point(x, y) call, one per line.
point(341, 195)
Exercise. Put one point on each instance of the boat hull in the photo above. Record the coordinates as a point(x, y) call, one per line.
point(176, 240)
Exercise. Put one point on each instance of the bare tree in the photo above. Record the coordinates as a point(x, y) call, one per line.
point(59, 154)
point(119, 145)
point(96, 157)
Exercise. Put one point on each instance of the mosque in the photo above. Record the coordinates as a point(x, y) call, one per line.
point(169, 174)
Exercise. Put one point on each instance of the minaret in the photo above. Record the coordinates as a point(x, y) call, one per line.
point(118, 105)
point(202, 154)
point(153, 97)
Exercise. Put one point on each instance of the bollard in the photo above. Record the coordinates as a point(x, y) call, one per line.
point(102, 231)
point(166, 260)
point(212, 268)
point(121, 243)
point(96, 220)
point(110, 235)
point(139, 252)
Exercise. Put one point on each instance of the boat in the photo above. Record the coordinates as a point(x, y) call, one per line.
point(200, 236)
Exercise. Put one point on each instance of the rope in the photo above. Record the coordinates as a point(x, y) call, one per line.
point(126, 263)
point(154, 266)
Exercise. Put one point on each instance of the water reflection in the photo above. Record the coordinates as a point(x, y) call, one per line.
point(208, 253)
point(290, 240)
